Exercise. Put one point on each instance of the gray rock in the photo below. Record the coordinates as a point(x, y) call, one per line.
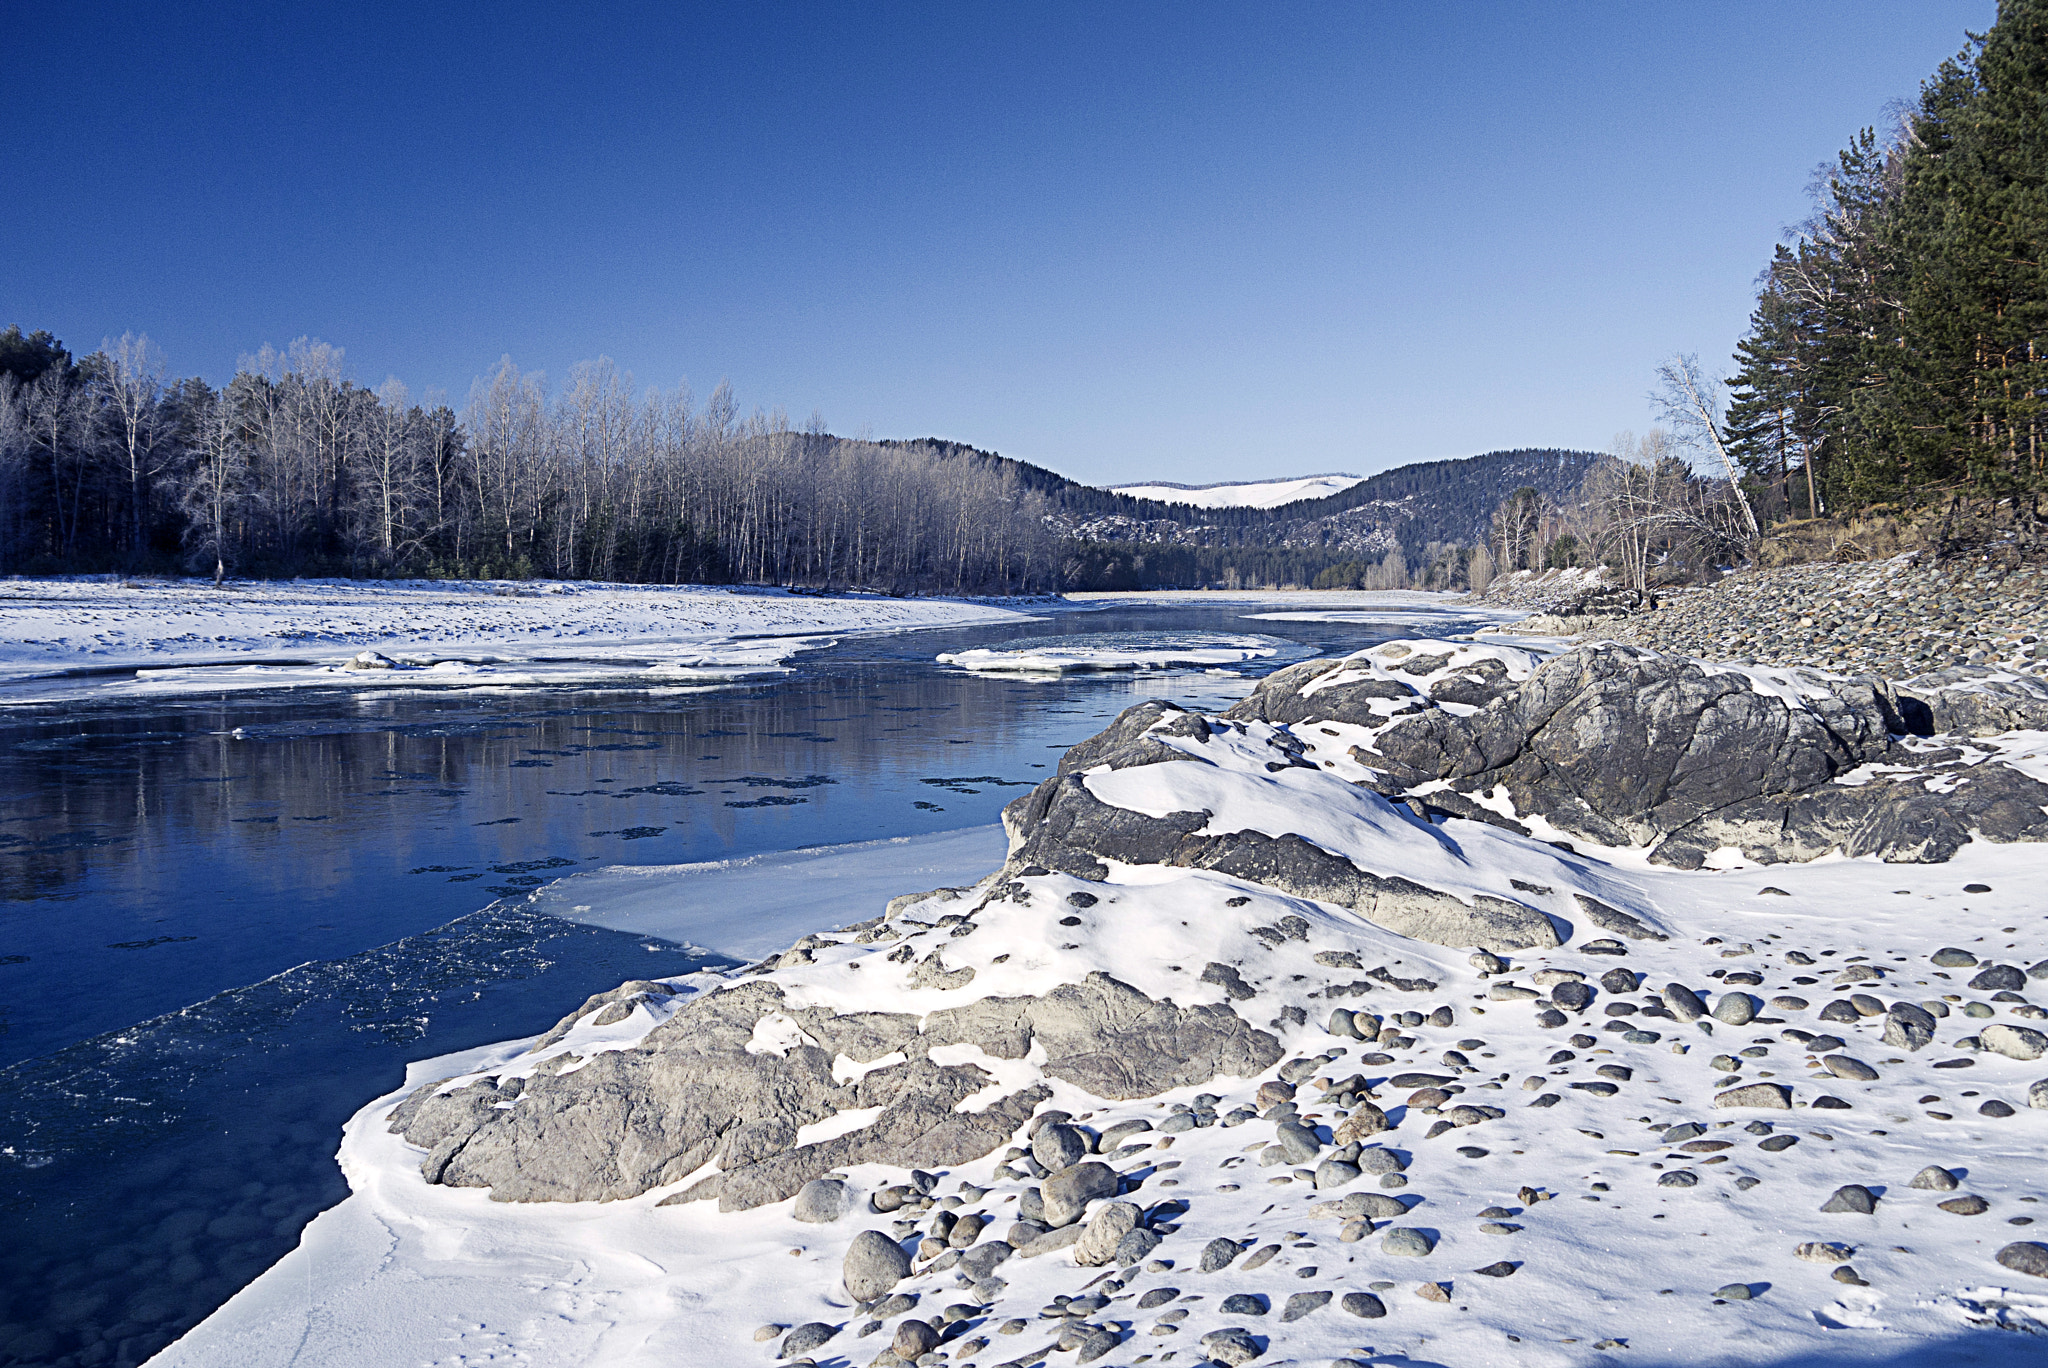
point(1243, 1304)
point(1907, 1027)
point(1999, 977)
point(1218, 1254)
point(1096, 1345)
point(1298, 1142)
point(1068, 1192)
point(913, 1339)
point(1842, 1066)
point(982, 1260)
point(1378, 1161)
point(1059, 1146)
point(1572, 996)
point(2037, 1094)
point(805, 1338)
point(1231, 1346)
point(1334, 1173)
point(1303, 1304)
point(1111, 1040)
point(1051, 1242)
point(1953, 957)
point(1735, 1009)
point(822, 1200)
point(1063, 826)
point(1934, 1178)
point(874, 1265)
point(2025, 1256)
point(2014, 1042)
point(1106, 1230)
point(1115, 1135)
point(1683, 1003)
point(1851, 1199)
point(1363, 1304)
point(1772, 1095)
point(1734, 1292)
point(1406, 1240)
point(1136, 1246)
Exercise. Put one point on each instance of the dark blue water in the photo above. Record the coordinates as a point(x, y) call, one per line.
point(225, 924)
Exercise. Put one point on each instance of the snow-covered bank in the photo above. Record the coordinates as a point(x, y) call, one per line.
point(72, 638)
point(1207, 1069)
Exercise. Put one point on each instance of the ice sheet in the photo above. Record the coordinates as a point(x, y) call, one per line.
point(761, 903)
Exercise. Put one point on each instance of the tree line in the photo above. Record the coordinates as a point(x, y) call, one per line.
point(1898, 350)
point(108, 464)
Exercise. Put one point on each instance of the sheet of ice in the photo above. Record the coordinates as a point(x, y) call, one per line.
point(760, 903)
point(1103, 652)
point(1244, 493)
point(84, 637)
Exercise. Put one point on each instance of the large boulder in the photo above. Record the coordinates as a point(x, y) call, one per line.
point(1062, 825)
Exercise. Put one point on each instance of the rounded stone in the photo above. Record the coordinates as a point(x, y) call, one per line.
point(2025, 1256)
point(874, 1265)
point(822, 1201)
point(1366, 1305)
point(1406, 1241)
point(1735, 1009)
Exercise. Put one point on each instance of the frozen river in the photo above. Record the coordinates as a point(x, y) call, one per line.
point(229, 921)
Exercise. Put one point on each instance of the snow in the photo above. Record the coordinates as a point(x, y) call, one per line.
point(67, 639)
point(1108, 652)
point(404, 1272)
point(1243, 493)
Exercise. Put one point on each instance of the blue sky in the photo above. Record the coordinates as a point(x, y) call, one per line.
point(1177, 241)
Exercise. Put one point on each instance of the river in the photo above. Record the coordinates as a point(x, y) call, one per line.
point(227, 922)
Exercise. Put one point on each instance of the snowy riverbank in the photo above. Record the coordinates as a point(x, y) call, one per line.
point(1701, 1088)
point(72, 638)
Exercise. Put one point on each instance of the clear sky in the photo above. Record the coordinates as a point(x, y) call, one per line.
point(1178, 241)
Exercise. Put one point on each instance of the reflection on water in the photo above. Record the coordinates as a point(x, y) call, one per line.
point(225, 924)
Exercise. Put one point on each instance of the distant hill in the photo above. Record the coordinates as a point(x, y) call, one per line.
point(1119, 538)
point(1242, 493)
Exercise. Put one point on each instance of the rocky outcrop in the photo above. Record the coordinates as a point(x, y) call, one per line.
point(1624, 747)
point(700, 1089)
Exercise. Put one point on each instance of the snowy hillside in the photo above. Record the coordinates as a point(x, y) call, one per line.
point(1244, 494)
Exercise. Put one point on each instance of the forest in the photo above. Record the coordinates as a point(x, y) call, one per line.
point(1898, 351)
point(109, 465)
point(291, 469)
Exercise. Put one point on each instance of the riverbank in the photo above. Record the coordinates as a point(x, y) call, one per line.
point(1893, 619)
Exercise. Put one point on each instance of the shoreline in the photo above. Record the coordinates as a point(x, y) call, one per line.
point(1272, 948)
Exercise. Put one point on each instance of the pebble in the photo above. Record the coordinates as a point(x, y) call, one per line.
point(1231, 1347)
point(805, 1338)
point(1824, 1251)
point(1302, 1304)
point(1852, 1198)
point(1369, 1307)
point(1406, 1241)
point(2025, 1256)
point(1218, 1254)
point(1243, 1304)
point(1734, 1292)
point(1968, 1205)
